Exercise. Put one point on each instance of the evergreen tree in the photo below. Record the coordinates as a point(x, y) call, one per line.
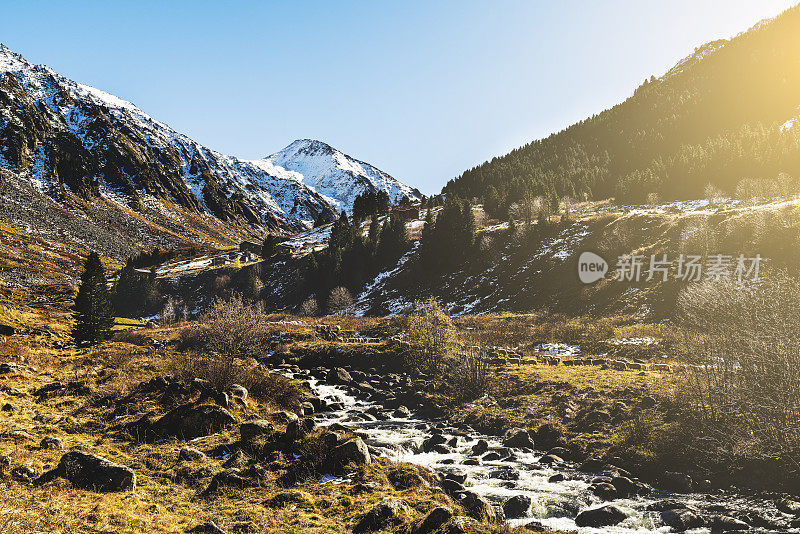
point(340, 233)
point(135, 293)
point(393, 241)
point(250, 283)
point(451, 238)
point(94, 315)
point(270, 246)
point(512, 226)
point(491, 203)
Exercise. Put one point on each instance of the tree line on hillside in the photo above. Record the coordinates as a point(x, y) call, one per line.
point(716, 118)
point(352, 258)
point(369, 203)
point(327, 279)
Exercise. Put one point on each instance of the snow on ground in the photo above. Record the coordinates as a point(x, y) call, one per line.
point(558, 349)
point(397, 305)
point(496, 227)
point(182, 266)
point(312, 240)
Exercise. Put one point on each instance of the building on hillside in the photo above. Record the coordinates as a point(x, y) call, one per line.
point(249, 246)
point(406, 213)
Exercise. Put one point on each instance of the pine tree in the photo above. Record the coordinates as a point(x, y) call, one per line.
point(393, 241)
point(135, 293)
point(512, 226)
point(451, 238)
point(270, 246)
point(94, 311)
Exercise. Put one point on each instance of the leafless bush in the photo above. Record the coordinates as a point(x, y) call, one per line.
point(228, 331)
point(234, 328)
point(713, 193)
point(530, 207)
point(309, 308)
point(748, 189)
point(744, 349)
point(223, 373)
point(566, 206)
point(786, 185)
point(430, 333)
point(340, 301)
point(169, 314)
point(653, 198)
point(467, 373)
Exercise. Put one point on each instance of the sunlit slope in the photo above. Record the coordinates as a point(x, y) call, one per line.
point(723, 114)
point(534, 270)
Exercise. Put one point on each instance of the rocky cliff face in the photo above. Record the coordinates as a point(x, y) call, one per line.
point(65, 137)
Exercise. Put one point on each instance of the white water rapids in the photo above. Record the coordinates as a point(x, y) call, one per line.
point(554, 504)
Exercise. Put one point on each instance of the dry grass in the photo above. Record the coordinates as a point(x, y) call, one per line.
point(158, 504)
point(527, 330)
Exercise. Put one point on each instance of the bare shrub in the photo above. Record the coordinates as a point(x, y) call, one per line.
point(228, 331)
point(749, 190)
point(713, 194)
point(169, 314)
point(340, 301)
point(530, 207)
point(786, 185)
point(743, 344)
point(234, 328)
point(566, 206)
point(653, 198)
point(467, 371)
point(309, 308)
point(430, 333)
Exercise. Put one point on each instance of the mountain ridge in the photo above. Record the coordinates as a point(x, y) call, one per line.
point(714, 118)
point(61, 134)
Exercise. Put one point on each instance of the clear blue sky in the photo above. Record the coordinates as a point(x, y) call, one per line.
point(421, 89)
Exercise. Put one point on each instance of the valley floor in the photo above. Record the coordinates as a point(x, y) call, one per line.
point(279, 476)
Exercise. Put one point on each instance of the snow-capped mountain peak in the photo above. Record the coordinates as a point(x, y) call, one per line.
point(335, 175)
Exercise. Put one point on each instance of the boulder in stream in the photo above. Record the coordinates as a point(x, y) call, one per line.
point(605, 516)
point(517, 506)
point(682, 519)
point(518, 438)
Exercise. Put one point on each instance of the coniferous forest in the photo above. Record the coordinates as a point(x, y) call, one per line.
point(717, 117)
